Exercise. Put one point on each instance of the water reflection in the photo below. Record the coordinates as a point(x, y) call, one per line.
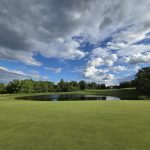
point(68, 97)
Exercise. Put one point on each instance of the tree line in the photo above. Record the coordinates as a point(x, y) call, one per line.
point(141, 82)
point(31, 86)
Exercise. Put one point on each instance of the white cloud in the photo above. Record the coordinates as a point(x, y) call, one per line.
point(95, 62)
point(133, 49)
point(90, 72)
point(28, 27)
point(47, 28)
point(64, 49)
point(118, 68)
point(122, 25)
point(116, 46)
point(100, 52)
point(110, 59)
point(54, 70)
point(25, 57)
point(7, 75)
point(137, 58)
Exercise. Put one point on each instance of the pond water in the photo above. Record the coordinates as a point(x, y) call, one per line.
point(68, 97)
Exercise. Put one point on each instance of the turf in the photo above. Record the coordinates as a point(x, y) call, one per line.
point(75, 125)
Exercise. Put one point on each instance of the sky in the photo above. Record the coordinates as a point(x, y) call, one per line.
point(102, 41)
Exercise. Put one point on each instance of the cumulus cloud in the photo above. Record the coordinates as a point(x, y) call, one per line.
point(108, 60)
point(35, 27)
point(100, 52)
point(7, 75)
point(65, 49)
point(95, 62)
point(99, 75)
point(137, 58)
point(90, 72)
point(94, 72)
point(119, 46)
point(48, 28)
point(29, 27)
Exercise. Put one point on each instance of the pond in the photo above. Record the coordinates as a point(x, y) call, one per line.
point(68, 97)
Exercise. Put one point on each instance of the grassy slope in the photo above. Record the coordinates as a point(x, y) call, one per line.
point(105, 125)
point(129, 92)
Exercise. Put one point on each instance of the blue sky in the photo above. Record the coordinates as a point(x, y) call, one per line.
point(93, 40)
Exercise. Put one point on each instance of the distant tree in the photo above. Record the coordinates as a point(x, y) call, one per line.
point(82, 85)
point(143, 80)
point(31, 86)
point(63, 86)
point(51, 86)
point(98, 86)
point(2, 88)
point(43, 86)
point(103, 86)
point(92, 85)
point(26, 86)
point(13, 87)
point(38, 87)
point(73, 86)
point(127, 84)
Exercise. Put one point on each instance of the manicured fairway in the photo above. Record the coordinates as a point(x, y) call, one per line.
point(78, 125)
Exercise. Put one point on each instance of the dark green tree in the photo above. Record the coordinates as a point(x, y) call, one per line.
point(143, 80)
point(63, 86)
point(103, 86)
point(14, 86)
point(73, 86)
point(92, 85)
point(26, 86)
point(2, 88)
point(127, 84)
point(43, 86)
point(82, 85)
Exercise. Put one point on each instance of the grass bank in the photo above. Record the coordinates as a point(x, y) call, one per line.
point(122, 93)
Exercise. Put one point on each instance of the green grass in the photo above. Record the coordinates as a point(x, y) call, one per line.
point(75, 125)
point(127, 92)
